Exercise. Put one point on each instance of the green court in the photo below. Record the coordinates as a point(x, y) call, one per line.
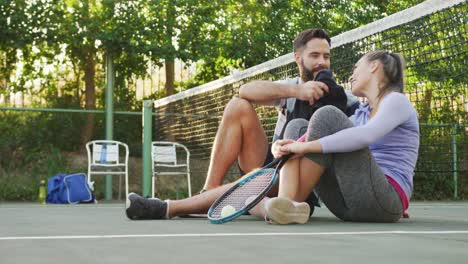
point(432, 35)
point(100, 233)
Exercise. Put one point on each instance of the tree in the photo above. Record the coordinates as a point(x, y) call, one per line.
point(186, 29)
point(253, 32)
point(25, 37)
point(80, 32)
point(219, 35)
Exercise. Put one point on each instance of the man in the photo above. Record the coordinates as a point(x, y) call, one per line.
point(240, 134)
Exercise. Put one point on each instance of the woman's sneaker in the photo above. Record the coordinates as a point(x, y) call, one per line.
point(284, 211)
point(139, 208)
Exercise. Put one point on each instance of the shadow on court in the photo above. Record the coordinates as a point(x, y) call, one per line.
point(100, 233)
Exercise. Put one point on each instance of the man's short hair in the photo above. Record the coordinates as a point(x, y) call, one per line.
point(305, 36)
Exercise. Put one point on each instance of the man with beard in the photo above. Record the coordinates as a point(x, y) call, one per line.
point(240, 134)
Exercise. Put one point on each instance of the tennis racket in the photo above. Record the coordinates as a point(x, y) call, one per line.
point(236, 202)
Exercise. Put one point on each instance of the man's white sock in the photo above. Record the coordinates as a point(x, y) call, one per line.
point(167, 209)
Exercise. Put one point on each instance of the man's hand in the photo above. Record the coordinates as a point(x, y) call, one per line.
point(311, 91)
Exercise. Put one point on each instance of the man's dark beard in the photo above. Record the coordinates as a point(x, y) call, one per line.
point(308, 75)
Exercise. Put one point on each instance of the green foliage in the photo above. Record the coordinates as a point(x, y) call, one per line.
point(18, 188)
point(20, 178)
point(250, 32)
point(38, 145)
point(59, 42)
point(222, 34)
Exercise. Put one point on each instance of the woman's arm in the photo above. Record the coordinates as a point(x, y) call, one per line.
point(286, 146)
point(394, 109)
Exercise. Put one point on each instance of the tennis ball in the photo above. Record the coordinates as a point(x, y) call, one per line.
point(227, 210)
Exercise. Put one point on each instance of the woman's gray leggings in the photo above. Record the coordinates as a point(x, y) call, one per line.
point(353, 186)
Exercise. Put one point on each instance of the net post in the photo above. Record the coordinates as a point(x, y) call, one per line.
point(109, 115)
point(454, 164)
point(147, 138)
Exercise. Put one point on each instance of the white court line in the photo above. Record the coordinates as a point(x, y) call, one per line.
point(439, 205)
point(394, 232)
point(121, 207)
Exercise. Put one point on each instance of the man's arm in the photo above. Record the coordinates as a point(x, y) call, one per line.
point(268, 92)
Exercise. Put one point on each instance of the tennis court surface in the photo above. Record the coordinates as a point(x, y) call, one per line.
point(100, 233)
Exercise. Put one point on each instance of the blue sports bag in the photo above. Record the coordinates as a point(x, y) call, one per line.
point(71, 189)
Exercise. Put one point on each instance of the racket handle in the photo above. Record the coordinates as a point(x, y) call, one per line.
point(284, 159)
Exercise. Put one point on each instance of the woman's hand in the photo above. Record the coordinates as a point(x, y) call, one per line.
point(277, 145)
point(296, 147)
point(285, 146)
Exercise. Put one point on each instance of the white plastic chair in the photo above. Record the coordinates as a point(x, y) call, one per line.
point(164, 155)
point(106, 158)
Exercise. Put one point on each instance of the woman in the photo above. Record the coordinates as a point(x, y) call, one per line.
point(361, 167)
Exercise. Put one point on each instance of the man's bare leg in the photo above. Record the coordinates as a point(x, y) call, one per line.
point(198, 204)
point(138, 207)
point(240, 136)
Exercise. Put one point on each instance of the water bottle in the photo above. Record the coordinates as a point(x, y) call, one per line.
point(42, 192)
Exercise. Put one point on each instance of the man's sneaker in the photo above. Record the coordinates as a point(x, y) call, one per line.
point(138, 207)
point(284, 211)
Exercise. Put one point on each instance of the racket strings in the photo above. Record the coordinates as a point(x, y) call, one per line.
point(238, 196)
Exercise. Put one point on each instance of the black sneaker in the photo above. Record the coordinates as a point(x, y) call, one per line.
point(138, 207)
